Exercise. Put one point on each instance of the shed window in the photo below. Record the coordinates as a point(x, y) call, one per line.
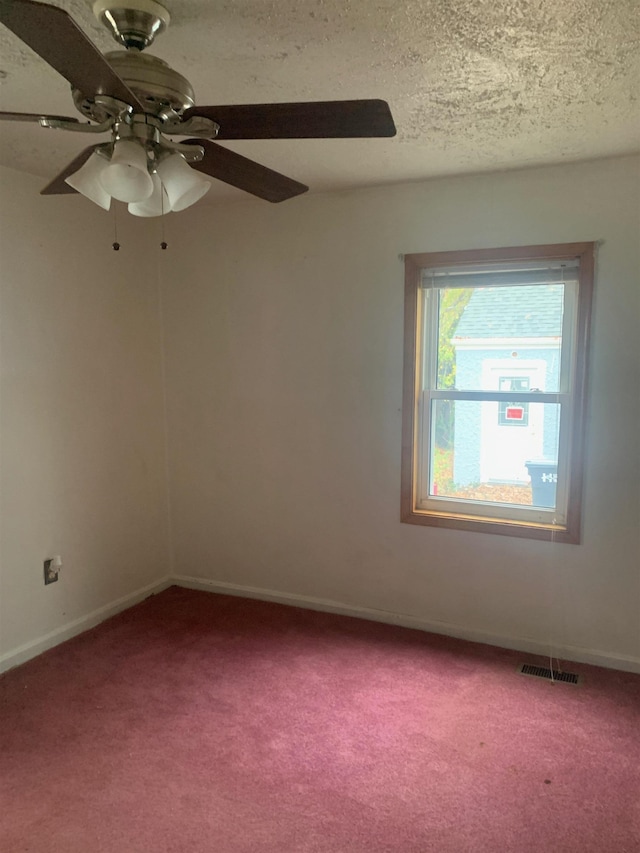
point(513, 414)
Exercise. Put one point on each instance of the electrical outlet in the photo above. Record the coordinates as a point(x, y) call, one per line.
point(50, 572)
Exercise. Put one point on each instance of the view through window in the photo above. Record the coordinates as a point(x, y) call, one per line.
point(494, 377)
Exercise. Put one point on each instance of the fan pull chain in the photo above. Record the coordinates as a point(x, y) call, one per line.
point(115, 244)
point(163, 243)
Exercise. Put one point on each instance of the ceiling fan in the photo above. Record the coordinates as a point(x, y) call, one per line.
point(144, 104)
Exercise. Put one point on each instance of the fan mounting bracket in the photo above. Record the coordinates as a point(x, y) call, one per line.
point(78, 126)
point(198, 126)
point(191, 153)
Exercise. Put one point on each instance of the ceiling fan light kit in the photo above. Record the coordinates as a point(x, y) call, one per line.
point(152, 184)
point(143, 104)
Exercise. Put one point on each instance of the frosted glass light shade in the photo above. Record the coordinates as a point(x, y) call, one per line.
point(127, 177)
point(87, 181)
point(184, 185)
point(157, 203)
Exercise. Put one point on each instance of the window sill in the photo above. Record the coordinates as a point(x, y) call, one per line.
point(500, 526)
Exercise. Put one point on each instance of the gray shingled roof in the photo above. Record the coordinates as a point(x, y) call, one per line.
point(512, 312)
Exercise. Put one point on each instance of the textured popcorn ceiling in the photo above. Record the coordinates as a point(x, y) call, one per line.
point(473, 85)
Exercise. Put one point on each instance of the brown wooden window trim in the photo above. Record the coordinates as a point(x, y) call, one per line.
point(570, 532)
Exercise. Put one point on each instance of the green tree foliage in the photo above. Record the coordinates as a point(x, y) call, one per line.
point(452, 303)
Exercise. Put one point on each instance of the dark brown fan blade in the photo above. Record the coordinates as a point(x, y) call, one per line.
point(58, 185)
point(56, 37)
point(245, 174)
point(34, 117)
point(314, 120)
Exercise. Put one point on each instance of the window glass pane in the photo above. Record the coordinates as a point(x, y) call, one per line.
point(475, 457)
point(490, 334)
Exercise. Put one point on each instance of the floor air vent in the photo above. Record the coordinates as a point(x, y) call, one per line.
point(545, 672)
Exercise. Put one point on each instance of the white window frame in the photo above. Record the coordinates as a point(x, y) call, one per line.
point(562, 524)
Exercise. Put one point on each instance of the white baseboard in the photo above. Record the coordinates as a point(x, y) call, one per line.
point(521, 644)
point(71, 629)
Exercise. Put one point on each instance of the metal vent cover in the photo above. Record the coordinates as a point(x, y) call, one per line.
point(545, 672)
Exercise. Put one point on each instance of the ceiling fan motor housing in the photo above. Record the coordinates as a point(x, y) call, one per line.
point(157, 86)
point(135, 24)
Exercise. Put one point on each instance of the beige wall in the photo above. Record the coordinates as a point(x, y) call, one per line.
point(82, 415)
point(284, 364)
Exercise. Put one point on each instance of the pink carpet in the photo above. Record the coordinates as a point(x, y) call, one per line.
point(198, 723)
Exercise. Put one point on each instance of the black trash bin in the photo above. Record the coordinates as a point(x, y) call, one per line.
point(544, 477)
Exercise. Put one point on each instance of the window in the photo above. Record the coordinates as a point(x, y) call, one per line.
point(494, 389)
